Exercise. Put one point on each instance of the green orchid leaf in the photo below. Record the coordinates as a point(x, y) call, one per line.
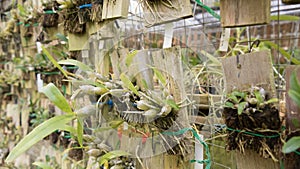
point(22, 11)
point(144, 83)
point(112, 155)
point(115, 124)
point(295, 122)
point(80, 131)
point(54, 62)
point(285, 18)
point(258, 97)
point(241, 107)
point(129, 57)
point(56, 97)
point(38, 133)
point(229, 105)
point(128, 83)
point(283, 52)
point(42, 165)
point(159, 76)
point(79, 64)
point(213, 59)
point(240, 94)
point(294, 83)
point(273, 100)
point(292, 145)
point(173, 104)
point(295, 96)
point(62, 37)
point(233, 98)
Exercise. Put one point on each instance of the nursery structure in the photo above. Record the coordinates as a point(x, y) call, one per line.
point(148, 84)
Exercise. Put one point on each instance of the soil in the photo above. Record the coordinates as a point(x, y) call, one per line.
point(266, 123)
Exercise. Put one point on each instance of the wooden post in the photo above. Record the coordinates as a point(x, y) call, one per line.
point(244, 12)
point(292, 117)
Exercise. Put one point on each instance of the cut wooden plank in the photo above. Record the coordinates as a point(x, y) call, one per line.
point(78, 41)
point(115, 9)
point(141, 62)
point(115, 63)
point(244, 12)
point(168, 62)
point(242, 72)
point(102, 62)
point(13, 110)
point(169, 11)
point(24, 118)
point(251, 160)
point(292, 120)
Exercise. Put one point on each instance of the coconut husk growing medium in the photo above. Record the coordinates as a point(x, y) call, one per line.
point(96, 11)
point(253, 122)
point(75, 19)
point(50, 19)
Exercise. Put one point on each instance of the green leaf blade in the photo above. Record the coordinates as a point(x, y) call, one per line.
point(173, 104)
point(292, 145)
point(229, 105)
point(160, 76)
point(54, 62)
point(295, 96)
point(42, 165)
point(80, 131)
point(283, 52)
point(37, 134)
point(129, 57)
point(294, 83)
point(73, 62)
point(285, 18)
point(128, 83)
point(54, 95)
point(241, 107)
point(112, 155)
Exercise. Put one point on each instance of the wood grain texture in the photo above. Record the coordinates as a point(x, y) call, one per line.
point(159, 13)
point(251, 160)
point(244, 12)
point(115, 9)
point(241, 72)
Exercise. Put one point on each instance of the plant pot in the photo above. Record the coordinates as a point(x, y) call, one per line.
point(235, 13)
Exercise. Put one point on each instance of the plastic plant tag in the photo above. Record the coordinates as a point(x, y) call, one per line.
point(168, 35)
point(224, 39)
point(39, 82)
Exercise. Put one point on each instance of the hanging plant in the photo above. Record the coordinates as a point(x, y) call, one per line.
point(253, 122)
point(96, 11)
point(50, 17)
point(161, 11)
point(76, 14)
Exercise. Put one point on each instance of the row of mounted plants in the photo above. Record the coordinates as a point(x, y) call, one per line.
point(134, 101)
